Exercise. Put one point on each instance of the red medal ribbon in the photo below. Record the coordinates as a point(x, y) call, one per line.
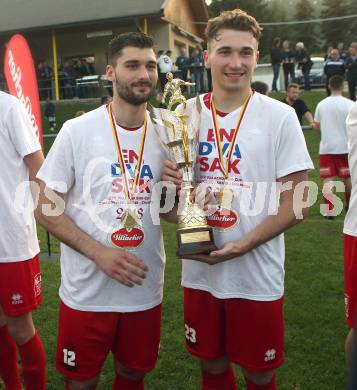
point(128, 193)
point(218, 140)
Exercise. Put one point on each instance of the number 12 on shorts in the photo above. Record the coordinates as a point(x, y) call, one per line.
point(190, 334)
point(69, 357)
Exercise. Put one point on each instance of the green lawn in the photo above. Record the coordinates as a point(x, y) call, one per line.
point(314, 308)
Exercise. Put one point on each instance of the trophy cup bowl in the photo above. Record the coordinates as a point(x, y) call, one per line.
point(180, 137)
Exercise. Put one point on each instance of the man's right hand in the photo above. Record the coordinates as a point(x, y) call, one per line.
point(122, 266)
point(171, 173)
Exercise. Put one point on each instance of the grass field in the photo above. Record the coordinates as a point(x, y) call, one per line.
point(314, 308)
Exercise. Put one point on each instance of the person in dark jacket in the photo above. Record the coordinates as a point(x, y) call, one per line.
point(50, 113)
point(305, 64)
point(275, 55)
point(351, 68)
point(183, 63)
point(334, 66)
point(288, 57)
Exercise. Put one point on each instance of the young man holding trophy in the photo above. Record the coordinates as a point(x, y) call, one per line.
point(104, 164)
point(249, 145)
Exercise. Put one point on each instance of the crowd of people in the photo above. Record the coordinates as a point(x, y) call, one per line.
point(96, 190)
point(337, 62)
point(68, 73)
point(189, 67)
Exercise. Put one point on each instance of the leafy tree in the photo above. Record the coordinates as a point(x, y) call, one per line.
point(335, 31)
point(256, 8)
point(351, 24)
point(306, 32)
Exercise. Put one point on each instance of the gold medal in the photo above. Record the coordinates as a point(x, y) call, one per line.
point(129, 219)
point(224, 196)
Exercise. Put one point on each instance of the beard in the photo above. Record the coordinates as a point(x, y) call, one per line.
point(126, 92)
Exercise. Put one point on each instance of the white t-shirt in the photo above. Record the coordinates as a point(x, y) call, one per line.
point(269, 145)
point(84, 158)
point(350, 226)
point(18, 237)
point(332, 112)
point(165, 63)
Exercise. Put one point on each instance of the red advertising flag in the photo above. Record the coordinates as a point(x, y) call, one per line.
point(21, 79)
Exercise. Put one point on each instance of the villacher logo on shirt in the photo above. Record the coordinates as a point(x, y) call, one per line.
point(222, 218)
point(127, 238)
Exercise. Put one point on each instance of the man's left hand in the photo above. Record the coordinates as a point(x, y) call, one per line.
point(228, 251)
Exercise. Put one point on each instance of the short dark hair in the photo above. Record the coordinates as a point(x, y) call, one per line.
point(336, 82)
point(133, 39)
point(233, 20)
point(293, 85)
point(260, 86)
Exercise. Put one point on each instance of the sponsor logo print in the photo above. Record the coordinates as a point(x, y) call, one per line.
point(270, 355)
point(38, 284)
point(115, 170)
point(16, 299)
point(190, 334)
point(127, 238)
point(223, 219)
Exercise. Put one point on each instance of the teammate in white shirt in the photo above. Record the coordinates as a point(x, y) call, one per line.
point(234, 308)
point(330, 120)
point(105, 164)
point(20, 274)
point(165, 65)
point(350, 235)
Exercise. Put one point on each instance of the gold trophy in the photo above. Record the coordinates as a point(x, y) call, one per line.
point(180, 136)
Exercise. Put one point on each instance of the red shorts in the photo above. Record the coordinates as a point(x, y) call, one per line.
point(85, 339)
point(333, 165)
point(249, 333)
point(20, 286)
point(350, 260)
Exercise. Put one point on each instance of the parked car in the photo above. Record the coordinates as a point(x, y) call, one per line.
point(317, 75)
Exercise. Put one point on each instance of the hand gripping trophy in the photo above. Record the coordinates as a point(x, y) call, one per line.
point(179, 134)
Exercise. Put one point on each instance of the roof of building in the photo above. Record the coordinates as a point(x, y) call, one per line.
point(37, 14)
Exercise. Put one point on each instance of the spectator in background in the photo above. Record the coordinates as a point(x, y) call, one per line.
point(351, 68)
point(69, 82)
point(105, 100)
point(197, 69)
point(159, 100)
point(44, 78)
point(50, 113)
point(85, 68)
point(79, 113)
point(334, 66)
point(288, 58)
point(341, 50)
point(183, 63)
point(276, 57)
point(330, 120)
point(260, 86)
point(164, 63)
point(328, 52)
point(300, 107)
point(305, 64)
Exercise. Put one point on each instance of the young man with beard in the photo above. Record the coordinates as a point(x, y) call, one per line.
point(104, 164)
point(234, 297)
point(300, 107)
point(20, 274)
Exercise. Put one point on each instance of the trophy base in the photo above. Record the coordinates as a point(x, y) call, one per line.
point(198, 240)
